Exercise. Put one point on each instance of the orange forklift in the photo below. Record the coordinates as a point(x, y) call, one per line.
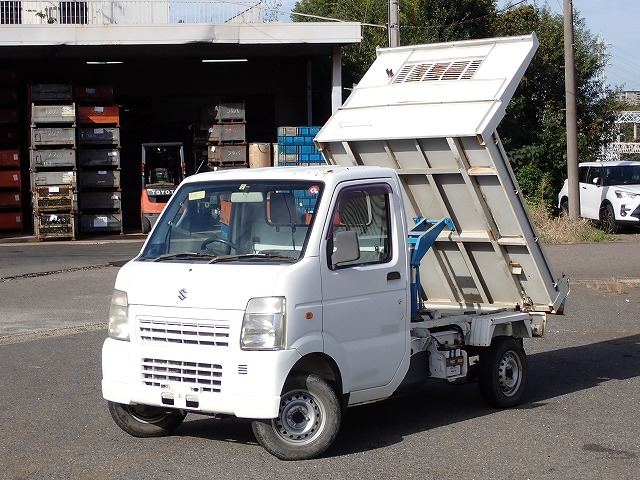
point(163, 168)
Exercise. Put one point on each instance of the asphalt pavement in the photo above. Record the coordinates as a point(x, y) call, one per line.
point(578, 419)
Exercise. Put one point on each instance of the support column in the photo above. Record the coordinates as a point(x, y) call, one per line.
point(309, 92)
point(571, 114)
point(336, 79)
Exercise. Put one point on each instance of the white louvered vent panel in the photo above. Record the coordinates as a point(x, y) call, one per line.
point(456, 70)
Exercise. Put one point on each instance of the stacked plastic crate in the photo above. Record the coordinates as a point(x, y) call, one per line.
point(11, 217)
point(226, 140)
point(53, 161)
point(99, 192)
point(296, 147)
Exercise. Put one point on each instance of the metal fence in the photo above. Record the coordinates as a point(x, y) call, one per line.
point(101, 12)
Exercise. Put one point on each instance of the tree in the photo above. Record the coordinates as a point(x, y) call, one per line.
point(430, 21)
point(533, 131)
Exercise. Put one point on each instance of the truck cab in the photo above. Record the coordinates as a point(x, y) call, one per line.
point(251, 275)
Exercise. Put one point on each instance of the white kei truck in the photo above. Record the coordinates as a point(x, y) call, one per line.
point(286, 295)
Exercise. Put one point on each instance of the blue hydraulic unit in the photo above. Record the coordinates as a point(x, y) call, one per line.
point(421, 238)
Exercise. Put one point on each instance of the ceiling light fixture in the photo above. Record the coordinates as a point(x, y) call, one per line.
point(225, 60)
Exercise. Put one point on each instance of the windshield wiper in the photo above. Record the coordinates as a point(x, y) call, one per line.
point(185, 256)
point(243, 256)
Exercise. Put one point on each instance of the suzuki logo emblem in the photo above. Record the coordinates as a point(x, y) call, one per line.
point(182, 294)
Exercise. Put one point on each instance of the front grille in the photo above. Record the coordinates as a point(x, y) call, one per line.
point(203, 377)
point(184, 332)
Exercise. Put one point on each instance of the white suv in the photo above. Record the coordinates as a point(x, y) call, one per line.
point(609, 193)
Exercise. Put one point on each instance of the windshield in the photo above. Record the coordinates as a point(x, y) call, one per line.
point(235, 221)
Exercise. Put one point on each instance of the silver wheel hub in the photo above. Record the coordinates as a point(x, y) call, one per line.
point(510, 373)
point(300, 418)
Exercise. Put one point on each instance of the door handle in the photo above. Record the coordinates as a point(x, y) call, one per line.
point(393, 276)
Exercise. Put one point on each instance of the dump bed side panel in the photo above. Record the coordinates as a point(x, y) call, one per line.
point(493, 259)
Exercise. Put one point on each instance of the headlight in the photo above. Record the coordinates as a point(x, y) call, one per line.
point(263, 325)
point(625, 194)
point(119, 316)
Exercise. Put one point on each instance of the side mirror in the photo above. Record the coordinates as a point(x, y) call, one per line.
point(346, 246)
point(596, 181)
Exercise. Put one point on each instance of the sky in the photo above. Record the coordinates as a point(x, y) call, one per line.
point(618, 21)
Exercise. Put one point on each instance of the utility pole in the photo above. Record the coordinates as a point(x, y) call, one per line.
point(393, 27)
point(571, 116)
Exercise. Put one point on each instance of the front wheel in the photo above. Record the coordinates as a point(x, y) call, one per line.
point(608, 219)
point(308, 420)
point(144, 421)
point(564, 207)
point(502, 372)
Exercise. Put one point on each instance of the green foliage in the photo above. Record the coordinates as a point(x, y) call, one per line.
point(443, 20)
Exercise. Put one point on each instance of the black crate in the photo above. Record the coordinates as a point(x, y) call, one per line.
point(99, 136)
point(94, 157)
point(99, 179)
point(101, 222)
point(100, 200)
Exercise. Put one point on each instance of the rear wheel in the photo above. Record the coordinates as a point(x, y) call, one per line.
point(502, 372)
point(308, 420)
point(144, 421)
point(608, 219)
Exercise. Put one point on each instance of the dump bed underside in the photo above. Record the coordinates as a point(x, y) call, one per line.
point(451, 163)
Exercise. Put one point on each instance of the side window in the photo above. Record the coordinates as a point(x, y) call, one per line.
point(364, 210)
point(594, 172)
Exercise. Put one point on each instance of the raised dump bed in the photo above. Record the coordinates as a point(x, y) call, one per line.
point(431, 112)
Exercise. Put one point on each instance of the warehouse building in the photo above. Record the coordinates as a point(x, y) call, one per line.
point(83, 85)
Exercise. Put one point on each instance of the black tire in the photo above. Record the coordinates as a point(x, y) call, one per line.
point(564, 207)
point(502, 372)
point(608, 219)
point(144, 421)
point(308, 421)
point(146, 225)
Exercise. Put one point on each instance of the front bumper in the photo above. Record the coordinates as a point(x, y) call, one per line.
point(246, 384)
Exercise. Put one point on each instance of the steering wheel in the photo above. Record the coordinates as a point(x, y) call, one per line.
point(217, 239)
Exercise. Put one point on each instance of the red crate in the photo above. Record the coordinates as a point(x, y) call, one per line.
point(10, 158)
point(10, 200)
point(102, 115)
point(10, 179)
point(11, 221)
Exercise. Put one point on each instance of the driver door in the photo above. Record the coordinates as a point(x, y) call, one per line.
point(365, 300)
